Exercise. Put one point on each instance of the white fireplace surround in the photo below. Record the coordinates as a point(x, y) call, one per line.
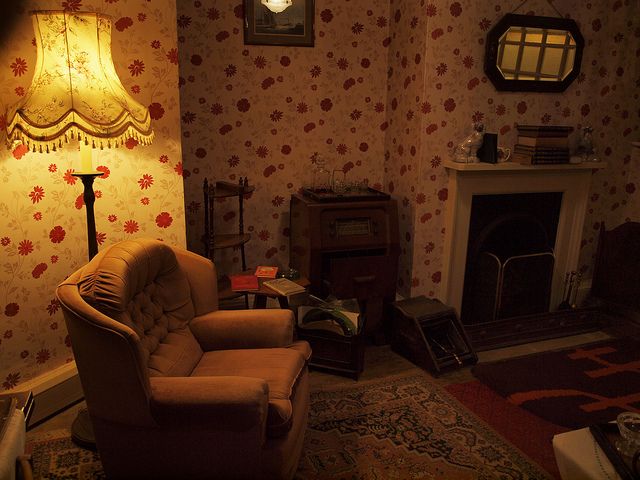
point(469, 179)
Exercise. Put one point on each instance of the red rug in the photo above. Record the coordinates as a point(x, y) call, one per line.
point(529, 433)
point(574, 388)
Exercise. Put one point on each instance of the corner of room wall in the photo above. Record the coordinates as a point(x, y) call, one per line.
point(404, 151)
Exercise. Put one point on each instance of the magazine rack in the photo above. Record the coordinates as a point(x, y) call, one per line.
point(333, 349)
point(335, 353)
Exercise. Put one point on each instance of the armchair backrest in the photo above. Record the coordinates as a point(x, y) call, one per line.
point(128, 312)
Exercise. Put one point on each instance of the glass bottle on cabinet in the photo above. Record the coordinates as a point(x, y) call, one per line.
point(321, 176)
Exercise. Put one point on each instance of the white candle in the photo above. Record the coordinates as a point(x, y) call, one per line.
point(85, 157)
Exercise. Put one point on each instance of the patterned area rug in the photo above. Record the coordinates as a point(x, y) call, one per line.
point(404, 427)
point(54, 456)
point(526, 431)
point(574, 388)
point(395, 428)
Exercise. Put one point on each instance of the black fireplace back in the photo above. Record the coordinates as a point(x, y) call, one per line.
point(510, 257)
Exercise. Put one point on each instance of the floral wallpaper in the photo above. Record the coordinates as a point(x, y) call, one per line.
point(260, 112)
point(42, 216)
point(404, 148)
point(389, 88)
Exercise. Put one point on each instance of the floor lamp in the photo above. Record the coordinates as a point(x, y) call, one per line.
point(76, 96)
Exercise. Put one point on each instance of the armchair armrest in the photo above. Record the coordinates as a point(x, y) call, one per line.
point(202, 277)
point(230, 329)
point(215, 403)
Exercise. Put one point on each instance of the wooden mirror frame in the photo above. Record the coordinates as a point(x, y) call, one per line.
point(512, 20)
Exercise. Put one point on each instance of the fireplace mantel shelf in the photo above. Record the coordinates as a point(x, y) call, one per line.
point(517, 167)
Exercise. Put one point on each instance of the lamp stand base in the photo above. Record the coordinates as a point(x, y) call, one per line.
point(89, 198)
point(82, 430)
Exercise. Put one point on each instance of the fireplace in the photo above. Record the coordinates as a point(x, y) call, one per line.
point(543, 207)
point(510, 255)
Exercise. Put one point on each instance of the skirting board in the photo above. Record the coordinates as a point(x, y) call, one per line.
point(54, 391)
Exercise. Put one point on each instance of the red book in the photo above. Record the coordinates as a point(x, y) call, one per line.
point(241, 283)
point(266, 272)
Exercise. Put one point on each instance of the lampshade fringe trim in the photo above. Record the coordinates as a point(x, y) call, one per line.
point(48, 146)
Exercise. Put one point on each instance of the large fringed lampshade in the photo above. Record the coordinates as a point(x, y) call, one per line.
point(75, 93)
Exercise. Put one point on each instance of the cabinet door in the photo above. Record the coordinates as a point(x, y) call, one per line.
point(360, 276)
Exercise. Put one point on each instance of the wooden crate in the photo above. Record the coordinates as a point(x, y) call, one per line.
point(335, 353)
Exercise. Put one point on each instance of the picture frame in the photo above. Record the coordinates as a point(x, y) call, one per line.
point(291, 27)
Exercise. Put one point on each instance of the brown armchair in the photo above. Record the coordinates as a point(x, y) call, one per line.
point(175, 387)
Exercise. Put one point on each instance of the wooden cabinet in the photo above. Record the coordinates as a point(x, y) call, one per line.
point(350, 249)
point(216, 241)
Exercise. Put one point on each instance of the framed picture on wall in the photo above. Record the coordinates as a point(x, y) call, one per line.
point(279, 22)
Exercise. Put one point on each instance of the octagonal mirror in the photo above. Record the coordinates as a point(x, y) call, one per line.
point(532, 53)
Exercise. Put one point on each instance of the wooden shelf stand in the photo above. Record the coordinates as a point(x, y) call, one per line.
point(217, 241)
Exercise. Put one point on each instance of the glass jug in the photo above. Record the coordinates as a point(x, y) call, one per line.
point(321, 176)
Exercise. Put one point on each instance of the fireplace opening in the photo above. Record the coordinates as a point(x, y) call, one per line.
point(510, 256)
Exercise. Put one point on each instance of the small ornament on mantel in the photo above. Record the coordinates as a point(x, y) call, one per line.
point(466, 151)
point(586, 149)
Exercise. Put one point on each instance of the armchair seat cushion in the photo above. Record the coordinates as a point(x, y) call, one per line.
point(279, 367)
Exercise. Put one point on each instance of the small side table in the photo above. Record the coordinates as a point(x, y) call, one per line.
point(261, 295)
point(260, 298)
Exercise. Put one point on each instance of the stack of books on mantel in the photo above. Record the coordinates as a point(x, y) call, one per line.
point(542, 144)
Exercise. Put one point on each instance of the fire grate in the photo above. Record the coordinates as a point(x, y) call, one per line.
point(521, 285)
